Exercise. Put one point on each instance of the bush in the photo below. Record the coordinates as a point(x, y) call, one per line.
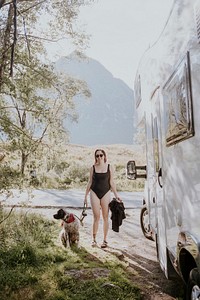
point(18, 255)
point(25, 229)
point(78, 172)
point(9, 177)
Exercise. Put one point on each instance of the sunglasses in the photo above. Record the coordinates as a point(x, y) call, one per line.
point(99, 155)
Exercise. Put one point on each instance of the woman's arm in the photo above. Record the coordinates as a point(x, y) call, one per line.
point(88, 186)
point(112, 184)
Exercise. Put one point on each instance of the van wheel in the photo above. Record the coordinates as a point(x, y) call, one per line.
point(145, 224)
point(193, 286)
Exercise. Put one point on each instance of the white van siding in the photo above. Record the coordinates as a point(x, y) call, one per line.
point(176, 207)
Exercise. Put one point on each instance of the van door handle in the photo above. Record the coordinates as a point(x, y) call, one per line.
point(159, 176)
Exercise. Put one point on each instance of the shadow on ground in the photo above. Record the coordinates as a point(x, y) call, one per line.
point(149, 277)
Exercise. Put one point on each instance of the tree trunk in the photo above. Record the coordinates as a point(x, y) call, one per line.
point(6, 46)
point(2, 2)
point(23, 161)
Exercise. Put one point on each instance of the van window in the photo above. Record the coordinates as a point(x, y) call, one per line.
point(178, 104)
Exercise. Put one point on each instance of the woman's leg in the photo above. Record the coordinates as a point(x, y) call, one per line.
point(105, 213)
point(95, 205)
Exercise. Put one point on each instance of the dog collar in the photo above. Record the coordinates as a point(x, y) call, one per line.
point(70, 218)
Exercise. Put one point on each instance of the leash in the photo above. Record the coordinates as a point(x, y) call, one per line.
point(83, 214)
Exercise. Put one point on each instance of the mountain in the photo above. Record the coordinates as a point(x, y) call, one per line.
point(107, 117)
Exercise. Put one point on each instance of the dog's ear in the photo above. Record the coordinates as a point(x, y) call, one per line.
point(56, 216)
point(60, 214)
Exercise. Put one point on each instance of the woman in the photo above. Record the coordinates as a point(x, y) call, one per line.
point(100, 185)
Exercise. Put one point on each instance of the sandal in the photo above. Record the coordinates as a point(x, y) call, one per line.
point(104, 245)
point(94, 244)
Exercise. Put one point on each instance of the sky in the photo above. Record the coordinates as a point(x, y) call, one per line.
point(121, 30)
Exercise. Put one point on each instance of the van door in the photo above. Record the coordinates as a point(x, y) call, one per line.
point(158, 180)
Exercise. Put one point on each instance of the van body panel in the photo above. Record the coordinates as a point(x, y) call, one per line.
point(167, 97)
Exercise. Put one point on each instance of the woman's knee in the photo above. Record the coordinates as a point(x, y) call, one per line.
point(96, 217)
point(105, 218)
point(105, 209)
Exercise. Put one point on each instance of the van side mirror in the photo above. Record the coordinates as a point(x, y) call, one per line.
point(132, 171)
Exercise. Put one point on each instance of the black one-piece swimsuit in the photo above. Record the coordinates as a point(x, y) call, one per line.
point(100, 182)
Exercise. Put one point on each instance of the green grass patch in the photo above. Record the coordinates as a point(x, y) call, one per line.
point(34, 267)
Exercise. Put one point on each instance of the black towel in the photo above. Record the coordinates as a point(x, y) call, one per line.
point(117, 214)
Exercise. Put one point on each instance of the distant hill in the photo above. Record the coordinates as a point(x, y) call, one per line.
point(106, 118)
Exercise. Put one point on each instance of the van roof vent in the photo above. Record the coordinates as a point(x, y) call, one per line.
point(197, 16)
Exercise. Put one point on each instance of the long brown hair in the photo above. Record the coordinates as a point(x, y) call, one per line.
point(104, 153)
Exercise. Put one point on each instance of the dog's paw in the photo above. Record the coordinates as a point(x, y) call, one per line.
point(63, 240)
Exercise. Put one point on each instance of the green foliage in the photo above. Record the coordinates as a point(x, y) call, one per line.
point(100, 289)
point(25, 229)
point(9, 177)
point(12, 280)
point(61, 167)
point(33, 267)
point(34, 182)
point(78, 172)
point(18, 255)
point(35, 101)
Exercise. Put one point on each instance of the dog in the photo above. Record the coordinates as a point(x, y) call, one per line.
point(69, 234)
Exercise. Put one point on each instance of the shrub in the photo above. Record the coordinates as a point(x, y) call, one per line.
point(9, 177)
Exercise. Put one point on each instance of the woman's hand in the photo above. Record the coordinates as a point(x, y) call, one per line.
point(86, 202)
point(118, 199)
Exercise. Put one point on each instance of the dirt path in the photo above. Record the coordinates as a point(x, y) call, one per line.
point(139, 254)
point(134, 250)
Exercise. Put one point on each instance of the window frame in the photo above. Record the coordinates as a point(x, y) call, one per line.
point(177, 94)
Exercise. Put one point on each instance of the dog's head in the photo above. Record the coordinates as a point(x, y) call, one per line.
point(65, 216)
point(61, 214)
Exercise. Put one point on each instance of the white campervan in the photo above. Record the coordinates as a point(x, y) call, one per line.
point(167, 97)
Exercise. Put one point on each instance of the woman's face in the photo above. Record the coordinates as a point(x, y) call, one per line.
point(99, 156)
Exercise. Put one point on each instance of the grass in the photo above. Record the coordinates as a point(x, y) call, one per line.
point(34, 267)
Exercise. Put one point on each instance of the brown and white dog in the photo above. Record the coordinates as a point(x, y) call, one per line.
point(69, 234)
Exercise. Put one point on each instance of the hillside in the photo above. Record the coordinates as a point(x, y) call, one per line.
point(107, 117)
point(81, 158)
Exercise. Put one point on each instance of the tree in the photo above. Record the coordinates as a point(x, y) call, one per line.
point(21, 23)
point(34, 101)
point(34, 109)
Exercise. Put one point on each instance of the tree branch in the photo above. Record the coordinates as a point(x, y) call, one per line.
point(30, 7)
point(2, 2)
point(28, 110)
point(25, 33)
point(8, 214)
point(14, 37)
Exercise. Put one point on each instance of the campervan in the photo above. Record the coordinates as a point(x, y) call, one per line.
point(167, 98)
